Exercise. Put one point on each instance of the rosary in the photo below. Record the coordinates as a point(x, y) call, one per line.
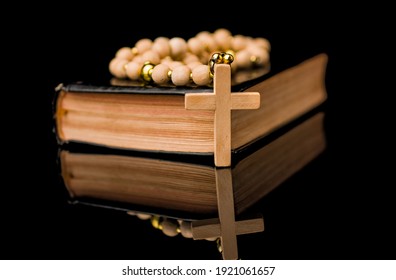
point(181, 63)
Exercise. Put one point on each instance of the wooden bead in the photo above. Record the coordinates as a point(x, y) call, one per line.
point(112, 64)
point(161, 46)
point(133, 70)
point(151, 56)
point(160, 74)
point(263, 59)
point(143, 216)
point(221, 33)
point(207, 40)
point(202, 35)
point(138, 59)
point(178, 47)
point(211, 238)
point(223, 38)
point(117, 67)
point(131, 213)
point(124, 53)
point(170, 227)
point(194, 64)
point(174, 64)
point(189, 57)
point(201, 76)
point(181, 75)
point(263, 43)
point(195, 46)
point(185, 229)
point(205, 56)
point(239, 42)
point(243, 59)
point(258, 56)
point(143, 45)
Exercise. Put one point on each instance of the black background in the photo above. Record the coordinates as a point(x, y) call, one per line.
point(337, 207)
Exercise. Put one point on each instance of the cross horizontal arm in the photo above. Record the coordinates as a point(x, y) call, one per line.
point(200, 101)
point(207, 101)
point(245, 100)
point(210, 228)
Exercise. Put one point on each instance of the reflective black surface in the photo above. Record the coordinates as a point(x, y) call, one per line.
point(189, 197)
point(308, 216)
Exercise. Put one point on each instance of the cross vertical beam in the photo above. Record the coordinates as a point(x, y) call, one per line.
point(222, 118)
point(225, 205)
point(225, 226)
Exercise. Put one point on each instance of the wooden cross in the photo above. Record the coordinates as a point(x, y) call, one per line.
point(225, 226)
point(222, 102)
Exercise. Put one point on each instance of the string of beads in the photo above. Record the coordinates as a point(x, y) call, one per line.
point(163, 60)
point(172, 227)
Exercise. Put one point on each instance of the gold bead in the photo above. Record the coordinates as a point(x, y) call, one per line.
point(217, 57)
point(254, 59)
point(219, 247)
point(228, 58)
point(170, 74)
point(211, 67)
point(156, 222)
point(231, 52)
point(147, 71)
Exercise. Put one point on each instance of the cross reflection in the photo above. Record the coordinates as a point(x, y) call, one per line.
point(225, 226)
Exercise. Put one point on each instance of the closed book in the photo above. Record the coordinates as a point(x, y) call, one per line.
point(124, 115)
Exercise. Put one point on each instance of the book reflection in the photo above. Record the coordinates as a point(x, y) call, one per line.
point(192, 198)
